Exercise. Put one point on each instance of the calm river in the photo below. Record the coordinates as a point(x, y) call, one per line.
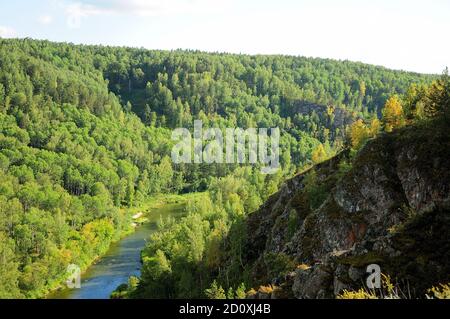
point(120, 262)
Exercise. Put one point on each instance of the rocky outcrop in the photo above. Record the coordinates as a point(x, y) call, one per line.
point(341, 116)
point(391, 208)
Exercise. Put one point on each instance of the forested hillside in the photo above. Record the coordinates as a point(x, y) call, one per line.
point(70, 157)
point(383, 200)
point(85, 134)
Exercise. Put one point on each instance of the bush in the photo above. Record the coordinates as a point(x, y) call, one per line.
point(442, 292)
point(266, 289)
point(278, 264)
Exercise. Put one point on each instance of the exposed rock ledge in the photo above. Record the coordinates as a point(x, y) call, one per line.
point(391, 208)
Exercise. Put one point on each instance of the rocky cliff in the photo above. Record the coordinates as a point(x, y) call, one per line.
point(390, 207)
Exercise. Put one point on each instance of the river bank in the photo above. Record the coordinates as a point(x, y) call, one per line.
point(122, 259)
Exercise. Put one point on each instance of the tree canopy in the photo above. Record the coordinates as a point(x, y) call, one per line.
point(85, 133)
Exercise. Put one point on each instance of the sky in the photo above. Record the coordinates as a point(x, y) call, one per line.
point(410, 35)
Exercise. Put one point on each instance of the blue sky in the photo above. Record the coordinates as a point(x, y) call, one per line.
point(411, 35)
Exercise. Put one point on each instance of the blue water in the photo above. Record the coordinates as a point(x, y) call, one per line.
point(120, 262)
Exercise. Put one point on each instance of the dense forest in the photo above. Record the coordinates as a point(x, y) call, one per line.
point(218, 252)
point(85, 134)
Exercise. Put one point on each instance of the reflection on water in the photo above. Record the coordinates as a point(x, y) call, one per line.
point(120, 262)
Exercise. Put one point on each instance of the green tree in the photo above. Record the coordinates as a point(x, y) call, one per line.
point(215, 291)
point(9, 272)
point(438, 97)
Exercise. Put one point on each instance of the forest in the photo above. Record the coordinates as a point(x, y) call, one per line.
point(208, 254)
point(85, 135)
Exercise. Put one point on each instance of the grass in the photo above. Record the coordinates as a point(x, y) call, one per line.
point(391, 291)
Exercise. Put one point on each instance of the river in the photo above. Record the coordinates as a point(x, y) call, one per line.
point(120, 262)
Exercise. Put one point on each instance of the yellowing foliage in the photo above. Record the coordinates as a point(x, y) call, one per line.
point(303, 267)
point(442, 292)
point(266, 289)
point(387, 284)
point(360, 294)
point(393, 116)
point(251, 292)
point(358, 133)
point(319, 154)
point(330, 110)
point(388, 291)
point(375, 126)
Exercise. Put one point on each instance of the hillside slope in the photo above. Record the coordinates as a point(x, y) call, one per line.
point(392, 208)
point(85, 135)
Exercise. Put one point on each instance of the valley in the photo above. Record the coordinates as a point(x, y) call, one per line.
point(86, 147)
point(121, 261)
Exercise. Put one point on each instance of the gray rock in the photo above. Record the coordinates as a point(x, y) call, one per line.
point(394, 179)
point(312, 284)
point(356, 274)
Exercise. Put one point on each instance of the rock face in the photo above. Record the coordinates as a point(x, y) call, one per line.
point(392, 208)
point(341, 116)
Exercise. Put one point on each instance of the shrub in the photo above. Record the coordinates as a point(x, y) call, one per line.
point(215, 292)
point(360, 294)
point(251, 292)
point(442, 292)
point(303, 267)
point(278, 264)
point(266, 289)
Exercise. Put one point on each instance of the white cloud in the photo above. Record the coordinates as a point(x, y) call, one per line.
point(45, 19)
point(7, 32)
point(165, 7)
point(75, 12)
